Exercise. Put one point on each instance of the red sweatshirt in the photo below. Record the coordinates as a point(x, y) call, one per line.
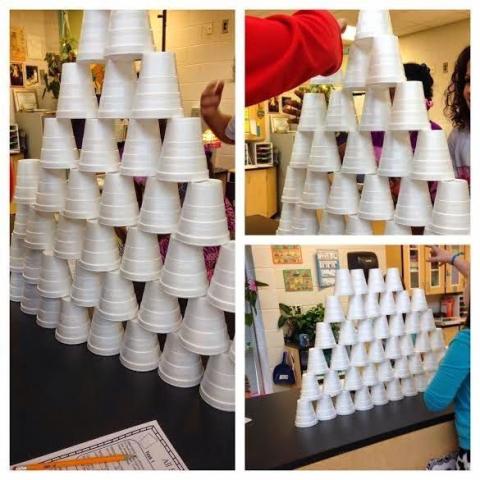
point(283, 51)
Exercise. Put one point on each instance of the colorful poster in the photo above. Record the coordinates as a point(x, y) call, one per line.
point(18, 45)
point(287, 254)
point(298, 280)
point(327, 266)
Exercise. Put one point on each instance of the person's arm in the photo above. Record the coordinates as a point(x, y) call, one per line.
point(283, 51)
point(442, 256)
point(210, 110)
point(452, 371)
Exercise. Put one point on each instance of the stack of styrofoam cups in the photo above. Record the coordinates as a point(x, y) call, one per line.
point(93, 36)
point(415, 364)
point(86, 287)
point(104, 337)
point(409, 111)
point(348, 334)
point(379, 394)
point(159, 312)
point(315, 190)
point(359, 283)
point(387, 303)
point(184, 274)
point(17, 253)
point(365, 330)
point(28, 171)
point(221, 291)
point(99, 147)
point(325, 409)
point(333, 310)
point(142, 148)
point(334, 79)
point(341, 115)
point(412, 322)
point(422, 343)
point(231, 350)
point(380, 327)
point(324, 338)
point(402, 302)
point(451, 210)
point(55, 280)
point(408, 387)
point(437, 342)
point(376, 353)
point(30, 301)
point(385, 371)
point(32, 266)
point(203, 329)
point(431, 160)
point(363, 399)
point(100, 249)
point(324, 156)
point(82, 197)
point(401, 368)
point(129, 35)
point(69, 238)
point(217, 387)
point(286, 219)
point(356, 308)
point(393, 228)
point(302, 145)
point(344, 404)
point(141, 259)
point(202, 220)
point(48, 315)
point(394, 391)
point(118, 302)
point(414, 207)
point(369, 375)
point(376, 283)
point(118, 90)
point(58, 144)
point(372, 308)
point(353, 379)
point(76, 98)
point(331, 224)
point(314, 109)
point(157, 94)
point(305, 414)
point(20, 223)
point(50, 196)
point(140, 350)
point(392, 348)
point(343, 283)
point(16, 286)
point(421, 383)
point(331, 383)
point(74, 324)
point(310, 388)
point(178, 366)
point(317, 365)
point(182, 158)
point(429, 361)
point(427, 321)
point(372, 23)
point(339, 360)
point(160, 210)
point(305, 221)
point(343, 198)
point(293, 186)
point(358, 355)
point(357, 226)
point(397, 155)
point(357, 66)
point(418, 300)
point(393, 280)
point(376, 201)
point(386, 67)
point(406, 345)
point(376, 110)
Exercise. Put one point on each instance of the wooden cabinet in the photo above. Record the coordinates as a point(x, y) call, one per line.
point(413, 263)
point(454, 282)
point(434, 277)
point(261, 191)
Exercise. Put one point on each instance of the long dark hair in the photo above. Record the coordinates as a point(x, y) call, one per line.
point(415, 71)
point(456, 108)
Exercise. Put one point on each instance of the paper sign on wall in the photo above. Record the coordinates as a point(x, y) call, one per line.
point(286, 254)
point(298, 280)
point(327, 265)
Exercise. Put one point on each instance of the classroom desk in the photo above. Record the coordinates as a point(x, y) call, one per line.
point(63, 395)
point(399, 435)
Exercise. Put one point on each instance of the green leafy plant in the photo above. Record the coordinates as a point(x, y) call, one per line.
point(251, 295)
point(295, 322)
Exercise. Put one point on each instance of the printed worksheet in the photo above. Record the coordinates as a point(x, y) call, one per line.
point(148, 442)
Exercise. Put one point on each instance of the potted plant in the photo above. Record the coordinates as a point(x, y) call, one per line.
point(251, 294)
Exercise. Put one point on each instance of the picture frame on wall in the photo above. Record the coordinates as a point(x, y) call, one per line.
point(16, 74)
point(31, 75)
point(25, 99)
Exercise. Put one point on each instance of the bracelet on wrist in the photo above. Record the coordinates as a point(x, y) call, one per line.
point(454, 257)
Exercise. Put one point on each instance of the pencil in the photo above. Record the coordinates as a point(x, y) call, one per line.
point(75, 462)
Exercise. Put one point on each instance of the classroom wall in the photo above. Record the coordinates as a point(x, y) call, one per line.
point(201, 58)
point(41, 25)
point(434, 47)
point(269, 297)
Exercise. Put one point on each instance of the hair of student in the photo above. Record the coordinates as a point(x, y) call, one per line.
point(421, 73)
point(456, 108)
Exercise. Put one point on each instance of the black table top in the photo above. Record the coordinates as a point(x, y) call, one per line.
point(62, 395)
point(273, 441)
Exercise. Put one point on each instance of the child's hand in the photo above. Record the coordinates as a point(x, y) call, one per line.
point(439, 255)
point(211, 98)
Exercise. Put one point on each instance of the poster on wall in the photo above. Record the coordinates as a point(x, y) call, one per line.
point(287, 254)
point(31, 75)
point(35, 47)
point(18, 45)
point(16, 75)
point(298, 280)
point(327, 265)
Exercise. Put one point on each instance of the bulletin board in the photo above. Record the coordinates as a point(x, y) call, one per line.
point(327, 266)
point(286, 254)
